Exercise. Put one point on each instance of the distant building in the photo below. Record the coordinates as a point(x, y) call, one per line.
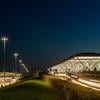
point(77, 63)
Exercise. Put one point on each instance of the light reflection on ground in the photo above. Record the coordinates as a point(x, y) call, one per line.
point(7, 81)
point(92, 84)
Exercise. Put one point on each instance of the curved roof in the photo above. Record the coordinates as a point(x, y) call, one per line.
point(87, 54)
point(84, 54)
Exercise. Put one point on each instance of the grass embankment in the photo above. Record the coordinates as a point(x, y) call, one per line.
point(32, 89)
point(69, 91)
point(49, 88)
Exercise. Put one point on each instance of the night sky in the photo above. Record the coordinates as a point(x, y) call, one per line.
point(45, 32)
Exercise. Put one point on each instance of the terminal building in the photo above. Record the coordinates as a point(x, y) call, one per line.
point(76, 63)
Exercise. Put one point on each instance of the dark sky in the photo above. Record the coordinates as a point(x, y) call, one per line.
point(45, 32)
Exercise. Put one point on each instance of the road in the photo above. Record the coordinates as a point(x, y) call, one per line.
point(88, 83)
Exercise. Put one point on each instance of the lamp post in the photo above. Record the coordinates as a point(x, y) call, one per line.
point(20, 62)
point(22, 68)
point(4, 39)
point(15, 55)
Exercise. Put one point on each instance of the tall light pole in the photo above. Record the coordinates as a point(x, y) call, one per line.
point(4, 39)
point(15, 55)
point(20, 62)
point(22, 67)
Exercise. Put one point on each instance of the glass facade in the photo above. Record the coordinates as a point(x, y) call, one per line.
point(78, 63)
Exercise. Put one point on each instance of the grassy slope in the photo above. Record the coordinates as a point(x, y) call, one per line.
point(28, 90)
point(71, 91)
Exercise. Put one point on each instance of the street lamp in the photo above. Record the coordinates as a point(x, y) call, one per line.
point(22, 68)
point(15, 55)
point(4, 39)
point(20, 62)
